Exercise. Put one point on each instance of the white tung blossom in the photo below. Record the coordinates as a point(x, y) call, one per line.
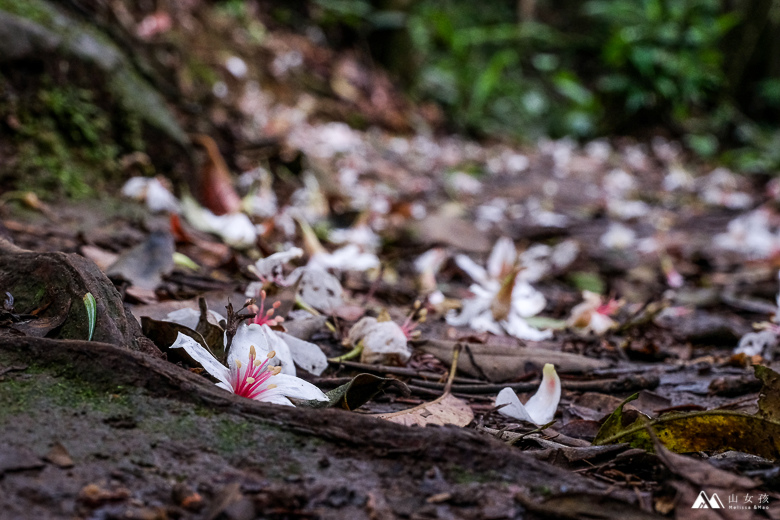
point(251, 375)
point(524, 301)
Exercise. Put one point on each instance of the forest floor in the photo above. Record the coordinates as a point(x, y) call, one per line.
point(684, 257)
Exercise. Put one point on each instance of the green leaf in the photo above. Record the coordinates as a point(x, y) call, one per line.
point(540, 322)
point(614, 424)
point(185, 261)
point(356, 393)
point(489, 79)
point(91, 306)
point(711, 430)
point(585, 281)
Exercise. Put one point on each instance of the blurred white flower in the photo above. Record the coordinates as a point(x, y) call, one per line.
point(271, 268)
point(501, 298)
point(152, 191)
point(721, 188)
point(678, 178)
point(234, 228)
point(750, 235)
point(384, 342)
point(618, 236)
point(361, 235)
point(464, 184)
point(347, 258)
point(593, 315)
point(236, 66)
point(619, 183)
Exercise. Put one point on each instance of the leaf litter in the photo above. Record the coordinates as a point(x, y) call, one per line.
point(611, 261)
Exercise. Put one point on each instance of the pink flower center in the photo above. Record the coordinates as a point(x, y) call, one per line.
point(609, 308)
point(251, 380)
point(263, 316)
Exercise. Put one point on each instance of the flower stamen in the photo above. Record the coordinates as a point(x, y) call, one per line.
point(263, 316)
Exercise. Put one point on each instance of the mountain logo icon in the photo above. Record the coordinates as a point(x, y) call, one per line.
point(705, 502)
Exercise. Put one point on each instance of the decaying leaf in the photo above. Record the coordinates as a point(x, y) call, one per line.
point(357, 392)
point(446, 409)
point(59, 456)
point(711, 430)
point(164, 334)
point(216, 187)
point(504, 362)
point(697, 476)
point(145, 264)
point(769, 398)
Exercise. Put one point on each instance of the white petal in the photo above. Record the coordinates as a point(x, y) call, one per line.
point(471, 268)
point(271, 266)
point(347, 258)
point(158, 198)
point(543, 404)
point(190, 317)
point(318, 288)
point(502, 258)
point(516, 326)
point(283, 355)
point(541, 407)
point(601, 323)
point(187, 317)
point(264, 340)
point(472, 308)
point(225, 386)
point(297, 388)
point(485, 322)
point(306, 355)
point(245, 337)
point(204, 357)
point(527, 301)
point(235, 228)
point(430, 261)
point(135, 188)
point(273, 396)
point(514, 408)
point(754, 343)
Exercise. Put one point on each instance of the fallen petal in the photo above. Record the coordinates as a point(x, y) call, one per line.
point(541, 407)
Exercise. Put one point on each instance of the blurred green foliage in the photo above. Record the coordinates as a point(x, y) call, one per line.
point(66, 141)
point(593, 67)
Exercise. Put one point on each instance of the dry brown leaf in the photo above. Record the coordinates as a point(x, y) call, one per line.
point(215, 184)
point(447, 409)
point(59, 456)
